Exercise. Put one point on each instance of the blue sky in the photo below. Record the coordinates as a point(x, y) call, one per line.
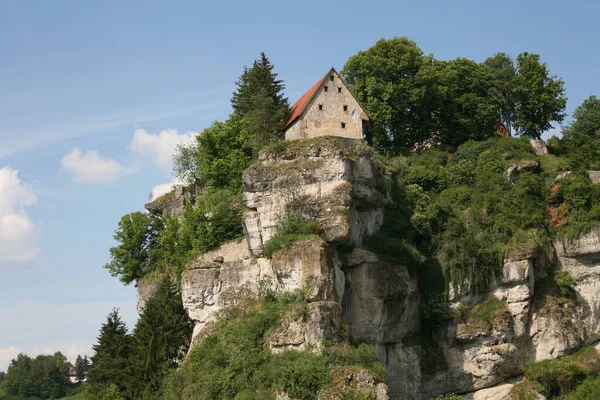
point(94, 96)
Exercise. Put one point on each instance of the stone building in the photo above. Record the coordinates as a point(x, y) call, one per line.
point(326, 109)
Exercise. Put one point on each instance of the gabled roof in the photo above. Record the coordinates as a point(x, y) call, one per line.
point(303, 102)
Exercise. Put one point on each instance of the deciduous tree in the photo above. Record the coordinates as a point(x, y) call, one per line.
point(502, 68)
point(539, 98)
point(135, 254)
point(581, 138)
point(384, 79)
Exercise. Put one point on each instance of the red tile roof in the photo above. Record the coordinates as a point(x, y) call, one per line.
point(300, 106)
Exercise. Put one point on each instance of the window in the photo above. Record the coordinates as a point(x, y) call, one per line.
point(343, 125)
point(339, 90)
point(345, 108)
point(320, 107)
point(331, 78)
point(325, 88)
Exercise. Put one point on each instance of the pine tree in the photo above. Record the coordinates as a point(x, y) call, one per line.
point(82, 366)
point(259, 99)
point(110, 363)
point(161, 338)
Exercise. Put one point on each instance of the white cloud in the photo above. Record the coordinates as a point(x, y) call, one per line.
point(18, 233)
point(161, 189)
point(160, 148)
point(91, 167)
point(6, 356)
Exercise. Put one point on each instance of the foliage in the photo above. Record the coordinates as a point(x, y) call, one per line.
point(111, 360)
point(134, 256)
point(574, 205)
point(566, 283)
point(464, 99)
point(82, 365)
point(539, 98)
point(502, 67)
point(42, 377)
point(235, 363)
point(589, 389)
point(214, 219)
point(384, 80)
point(185, 164)
point(581, 138)
point(259, 100)
point(223, 151)
point(290, 228)
point(160, 340)
point(149, 244)
point(562, 375)
point(450, 396)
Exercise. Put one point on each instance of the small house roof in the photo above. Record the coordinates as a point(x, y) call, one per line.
point(303, 102)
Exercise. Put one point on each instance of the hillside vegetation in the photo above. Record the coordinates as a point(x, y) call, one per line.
point(462, 199)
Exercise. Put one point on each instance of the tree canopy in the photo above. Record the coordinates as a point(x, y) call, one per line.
point(580, 143)
point(539, 97)
point(259, 99)
point(42, 377)
point(160, 340)
point(134, 256)
point(111, 359)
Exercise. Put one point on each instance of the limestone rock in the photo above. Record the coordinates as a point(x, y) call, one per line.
point(381, 302)
point(306, 326)
point(499, 392)
point(145, 289)
point(539, 147)
point(173, 203)
point(209, 287)
point(516, 169)
point(357, 381)
point(333, 180)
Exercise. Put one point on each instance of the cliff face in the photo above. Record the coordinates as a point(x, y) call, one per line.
point(351, 290)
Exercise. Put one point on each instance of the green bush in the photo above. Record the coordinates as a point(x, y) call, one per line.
point(588, 390)
point(562, 375)
point(235, 363)
point(566, 283)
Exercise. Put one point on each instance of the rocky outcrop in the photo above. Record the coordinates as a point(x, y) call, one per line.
point(333, 180)
point(516, 169)
point(173, 203)
point(539, 147)
point(539, 323)
point(381, 304)
point(229, 275)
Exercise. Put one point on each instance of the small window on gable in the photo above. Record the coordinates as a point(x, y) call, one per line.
point(331, 78)
point(320, 107)
point(325, 88)
point(345, 108)
point(339, 90)
point(343, 125)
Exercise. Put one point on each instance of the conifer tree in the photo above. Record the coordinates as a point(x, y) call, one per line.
point(82, 366)
point(260, 100)
point(160, 340)
point(111, 363)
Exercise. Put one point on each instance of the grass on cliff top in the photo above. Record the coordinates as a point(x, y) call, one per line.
point(299, 148)
point(488, 315)
point(290, 228)
point(235, 362)
point(560, 376)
